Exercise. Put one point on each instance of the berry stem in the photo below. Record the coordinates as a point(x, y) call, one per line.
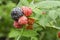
point(20, 35)
point(19, 4)
point(41, 36)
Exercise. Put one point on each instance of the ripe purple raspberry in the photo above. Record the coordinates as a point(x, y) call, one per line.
point(16, 13)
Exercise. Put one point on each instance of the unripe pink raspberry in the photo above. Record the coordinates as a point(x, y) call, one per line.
point(27, 11)
point(16, 25)
point(23, 20)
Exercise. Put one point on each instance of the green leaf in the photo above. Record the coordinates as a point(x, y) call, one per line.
point(37, 27)
point(29, 33)
point(29, 1)
point(34, 38)
point(58, 11)
point(44, 20)
point(23, 3)
point(14, 33)
point(57, 24)
point(53, 15)
point(32, 4)
point(48, 4)
point(50, 34)
point(25, 38)
point(37, 13)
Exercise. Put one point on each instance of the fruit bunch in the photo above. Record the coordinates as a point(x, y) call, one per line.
point(21, 17)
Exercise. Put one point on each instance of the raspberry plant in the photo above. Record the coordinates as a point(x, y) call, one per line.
point(46, 16)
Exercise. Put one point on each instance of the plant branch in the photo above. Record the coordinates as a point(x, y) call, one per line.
point(20, 35)
point(41, 36)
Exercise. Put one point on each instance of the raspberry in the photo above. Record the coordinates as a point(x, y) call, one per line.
point(16, 13)
point(27, 11)
point(29, 27)
point(58, 34)
point(23, 20)
point(16, 25)
point(31, 21)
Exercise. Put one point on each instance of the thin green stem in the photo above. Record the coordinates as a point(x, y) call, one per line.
point(53, 26)
point(20, 35)
point(41, 36)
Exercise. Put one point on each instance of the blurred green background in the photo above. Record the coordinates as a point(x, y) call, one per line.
point(5, 18)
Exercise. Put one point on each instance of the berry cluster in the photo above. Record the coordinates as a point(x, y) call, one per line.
point(20, 17)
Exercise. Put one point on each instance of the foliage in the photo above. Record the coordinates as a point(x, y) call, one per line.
point(46, 25)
